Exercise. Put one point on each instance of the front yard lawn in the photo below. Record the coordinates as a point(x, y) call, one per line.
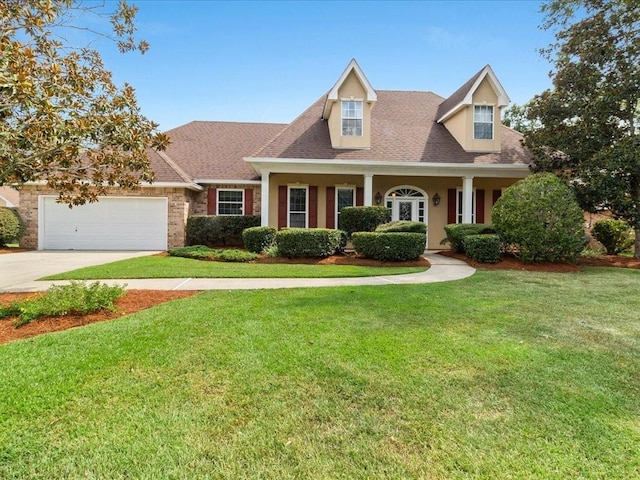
point(505, 374)
point(177, 267)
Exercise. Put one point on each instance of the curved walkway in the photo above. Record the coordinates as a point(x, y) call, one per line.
point(443, 269)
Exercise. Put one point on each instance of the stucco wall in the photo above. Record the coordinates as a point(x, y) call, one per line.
point(179, 207)
point(351, 88)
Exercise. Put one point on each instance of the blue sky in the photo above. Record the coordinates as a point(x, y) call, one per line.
point(268, 61)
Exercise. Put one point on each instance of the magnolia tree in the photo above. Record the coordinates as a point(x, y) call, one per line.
point(586, 129)
point(62, 119)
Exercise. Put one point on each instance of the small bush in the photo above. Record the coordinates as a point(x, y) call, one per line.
point(258, 239)
point(363, 219)
point(11, 227)
point(615, 235)
point(218, 231)
point(202, 252)
point(310, 242)
point(457, 231)
point(389, 247)
point(402, 226)
point(541, 219)
point(74, 298)
point(483, 248)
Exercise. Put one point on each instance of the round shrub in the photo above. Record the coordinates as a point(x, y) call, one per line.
point(540, 217)
point(457, 231)
point(310, 242)
point(402, 226)
point(389, 247)
point(10, 225)
point(363, 219)
point(614, 235)
point(258, 239)
point(483, 248)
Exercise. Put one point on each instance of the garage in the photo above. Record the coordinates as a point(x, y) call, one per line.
point(113, 223)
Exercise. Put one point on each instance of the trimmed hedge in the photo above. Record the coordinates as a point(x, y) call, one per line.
point(389, 247)
point(457, 231)
point(218, 231)
point(615, 235)
point(11, 227)
point(482, 248)
point(540, 218)
point(257, 239)
point(310, 242)
point(363, 219)
point(402, 226)
point(201, 252)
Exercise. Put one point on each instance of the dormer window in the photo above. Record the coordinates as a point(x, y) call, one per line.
point(352, 118)
point(483, 122)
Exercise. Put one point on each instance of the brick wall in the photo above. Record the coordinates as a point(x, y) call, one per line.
point(180, 205)
point(200, 200)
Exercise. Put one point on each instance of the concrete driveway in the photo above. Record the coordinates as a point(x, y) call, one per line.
point(25, 267)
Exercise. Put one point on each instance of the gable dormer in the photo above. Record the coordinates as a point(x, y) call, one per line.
point(472, 114)
point(347, 109)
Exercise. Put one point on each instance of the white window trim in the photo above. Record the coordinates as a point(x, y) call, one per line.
point(342, 187)
point(306, 204)
point(342, 118)
point(459, 201)
point(493, 121)
point(218, 201)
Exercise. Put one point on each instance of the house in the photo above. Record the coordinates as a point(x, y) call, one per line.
point(427, 158)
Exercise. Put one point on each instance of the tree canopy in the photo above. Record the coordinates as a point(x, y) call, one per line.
point(62, 119)
point(587, 126)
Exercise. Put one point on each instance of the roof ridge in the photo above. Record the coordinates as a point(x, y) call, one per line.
point(174, 166)
point(287, 127)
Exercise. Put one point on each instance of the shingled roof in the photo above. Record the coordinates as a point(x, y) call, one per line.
point(202, 151)
point(403, 129)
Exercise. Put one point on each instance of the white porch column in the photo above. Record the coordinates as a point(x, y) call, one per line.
point(368, 189)
point(264, 199)
point(467, 199)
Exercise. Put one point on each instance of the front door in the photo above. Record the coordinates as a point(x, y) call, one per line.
point(404, 209)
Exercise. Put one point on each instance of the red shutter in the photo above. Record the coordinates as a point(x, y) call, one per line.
point(496, 195)
point(212, 197)
point(248, 201)
point(313, 207)
point(479, 206)
point(331, 207)
point(359, 196)
point(452, 211)
point(282, 206)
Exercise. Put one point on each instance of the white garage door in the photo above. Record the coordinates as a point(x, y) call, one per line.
point(113, 223)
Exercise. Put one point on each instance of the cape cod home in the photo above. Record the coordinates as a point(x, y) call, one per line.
point(427, 158)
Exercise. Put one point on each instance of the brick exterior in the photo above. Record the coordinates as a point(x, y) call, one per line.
point(180, 204)
point(200, 198)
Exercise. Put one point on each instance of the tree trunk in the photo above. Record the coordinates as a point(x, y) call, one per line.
point(636, 248)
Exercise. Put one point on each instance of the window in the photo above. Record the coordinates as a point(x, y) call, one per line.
point(483, 122)
point(345, 197)
point(351, 118)
point(459, 207)
point(230, 202)
point(298, 207)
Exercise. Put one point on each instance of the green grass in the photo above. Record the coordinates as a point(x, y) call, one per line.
point(501, 375)
point(176, 267)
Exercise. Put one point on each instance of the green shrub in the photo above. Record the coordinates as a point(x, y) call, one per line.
point(457, 231)
point(258, 239)
point(482, 248)
point(75, 298)
point(310, 242)
point(11, 227)
point(540, 218)
point(389, 247)
point(615, 235)
point(220, 231)
point(363, 219)
point(402, 226)
point(202, 252)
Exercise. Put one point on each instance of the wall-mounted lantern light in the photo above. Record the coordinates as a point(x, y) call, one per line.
point(378, 198)
point(436, 200)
